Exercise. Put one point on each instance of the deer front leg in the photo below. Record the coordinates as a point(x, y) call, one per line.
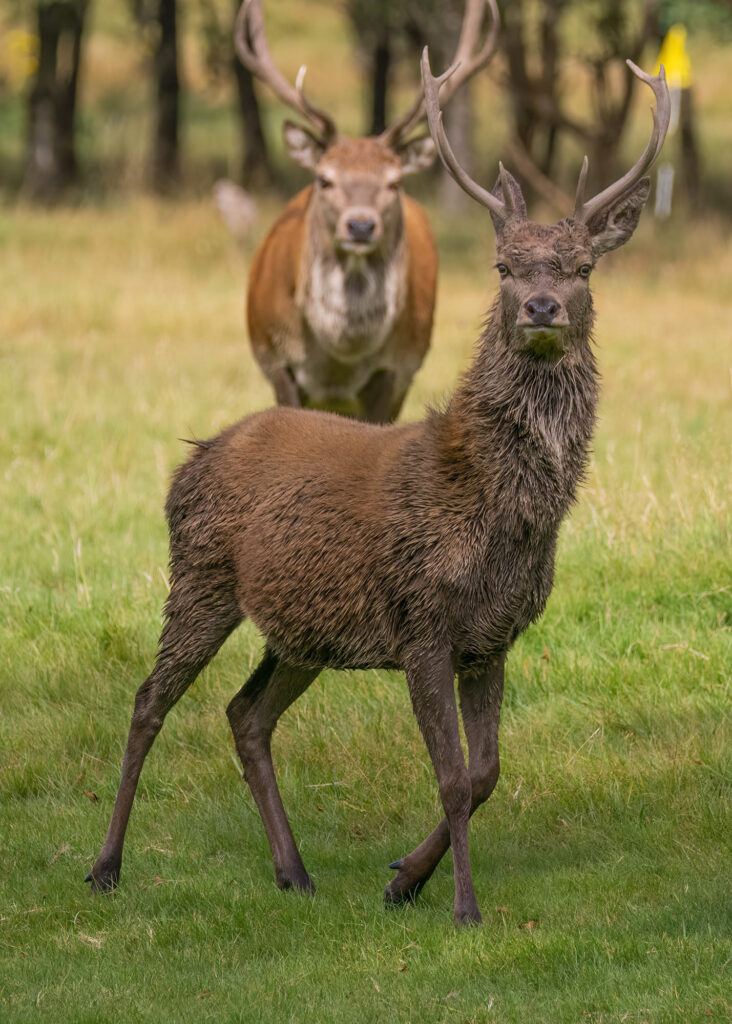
point(377, 398)
point(481, 693)
point(285, 388)
point(431, 681)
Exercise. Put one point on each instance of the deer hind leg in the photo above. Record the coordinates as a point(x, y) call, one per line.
point(199, 619)
point(481, 693)
point(253, 714)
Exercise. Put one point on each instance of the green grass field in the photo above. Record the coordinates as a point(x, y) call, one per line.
point(602, 861)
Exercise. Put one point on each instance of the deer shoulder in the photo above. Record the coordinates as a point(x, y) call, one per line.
point(272, 314)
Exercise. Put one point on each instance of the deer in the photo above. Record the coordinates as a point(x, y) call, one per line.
point(425, 547)
point(341, 291)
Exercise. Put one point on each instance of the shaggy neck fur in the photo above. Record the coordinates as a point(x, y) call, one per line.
point(524, 424)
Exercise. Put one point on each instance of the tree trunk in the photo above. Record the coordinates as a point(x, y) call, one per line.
point(459, 124)
point(166, 155)
point(380, 66)
point(458, 113)
point(51, 165)
point(690, 172)
point(256, 167)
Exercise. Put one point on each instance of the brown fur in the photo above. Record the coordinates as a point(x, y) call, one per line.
point(363, 365)
point(426, 547)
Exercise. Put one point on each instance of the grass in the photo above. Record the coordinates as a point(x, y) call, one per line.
point(601, 861)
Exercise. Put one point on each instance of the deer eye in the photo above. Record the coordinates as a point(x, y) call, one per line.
point(585, 270)
point(325, 182)
point(502, 269)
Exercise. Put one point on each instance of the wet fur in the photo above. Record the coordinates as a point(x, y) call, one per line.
point(348, 544)
point(427, 547)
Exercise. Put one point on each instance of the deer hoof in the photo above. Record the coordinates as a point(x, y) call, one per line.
point(103, 881)
point(301, 882)
point(468, 919)
point(395, 865)
point(396, 895)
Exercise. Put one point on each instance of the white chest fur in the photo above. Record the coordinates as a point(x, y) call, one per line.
point(351, 305)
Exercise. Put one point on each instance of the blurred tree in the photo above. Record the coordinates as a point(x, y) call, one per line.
point(537, 44)
point(377, 25)
point(390, 31)
point(51, 164)
point(166, 146)
point(160, 19)
point(218, 36)
point(713, 16)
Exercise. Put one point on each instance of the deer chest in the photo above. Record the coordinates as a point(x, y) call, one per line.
point(350, 311)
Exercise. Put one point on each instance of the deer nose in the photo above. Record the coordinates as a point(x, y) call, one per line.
point(542, 309)
point(360, 229)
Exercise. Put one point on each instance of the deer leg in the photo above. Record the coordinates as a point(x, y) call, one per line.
point(481, 693)
point(253, 714)
point(285, 388)
point(377, 398)
point(431, 681)
point(198, 622)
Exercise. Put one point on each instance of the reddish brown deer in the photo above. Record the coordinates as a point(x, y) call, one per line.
point(426, 547)
point(342, 289)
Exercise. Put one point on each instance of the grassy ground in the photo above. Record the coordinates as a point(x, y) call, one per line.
point(602, 860)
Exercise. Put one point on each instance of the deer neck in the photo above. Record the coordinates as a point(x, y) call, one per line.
point(351, 303)
point(521, 427)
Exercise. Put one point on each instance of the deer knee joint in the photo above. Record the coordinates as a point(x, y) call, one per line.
point(455, 794)
point(484, 780)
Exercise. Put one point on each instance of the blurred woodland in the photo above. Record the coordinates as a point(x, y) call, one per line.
point(101, 97)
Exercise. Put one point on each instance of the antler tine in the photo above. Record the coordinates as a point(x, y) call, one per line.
point(250, 43)
point(469, 66)
point(579, 199)
point(431, 86)
point(313, 113)
point(661, 117)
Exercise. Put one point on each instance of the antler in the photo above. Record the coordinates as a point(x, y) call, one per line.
point(470, 63)
point(432, 92)
point(584, 210)
point(251, 47)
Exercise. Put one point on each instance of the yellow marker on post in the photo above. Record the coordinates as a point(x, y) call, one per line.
point(676, 61)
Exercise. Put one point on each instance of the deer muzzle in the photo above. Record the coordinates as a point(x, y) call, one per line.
point(542, 321)
point(359, 230)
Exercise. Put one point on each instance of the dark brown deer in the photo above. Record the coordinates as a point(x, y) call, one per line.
point(426, 547)
point(342, 289)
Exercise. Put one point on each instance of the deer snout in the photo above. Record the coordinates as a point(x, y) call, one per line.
point(541, 320)
point(542, 311)
point(361, 229)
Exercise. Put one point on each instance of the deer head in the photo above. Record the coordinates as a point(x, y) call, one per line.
point(357, 188)
point(545, 301)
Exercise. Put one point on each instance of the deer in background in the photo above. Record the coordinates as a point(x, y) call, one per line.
point(427, 547)
point(342, 290)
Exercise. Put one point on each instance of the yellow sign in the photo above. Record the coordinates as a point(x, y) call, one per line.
point(675, 59)
point(18, 56)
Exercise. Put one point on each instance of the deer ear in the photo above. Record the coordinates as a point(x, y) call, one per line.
point(417, 154)
point(516, 198)
point(613, 226)
point(305, 148)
